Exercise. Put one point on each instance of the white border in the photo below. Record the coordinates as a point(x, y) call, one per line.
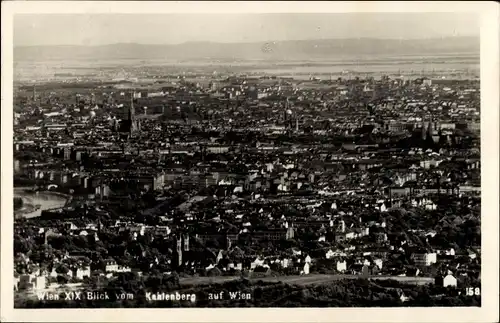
point(490, 85)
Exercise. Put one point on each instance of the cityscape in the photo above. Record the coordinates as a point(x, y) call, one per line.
point(286, 173)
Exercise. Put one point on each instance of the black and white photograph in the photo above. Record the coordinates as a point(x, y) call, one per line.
point(248, 160)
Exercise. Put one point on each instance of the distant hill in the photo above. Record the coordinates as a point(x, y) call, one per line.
point(279, 50)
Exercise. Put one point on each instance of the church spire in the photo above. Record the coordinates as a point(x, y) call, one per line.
point(131, 114)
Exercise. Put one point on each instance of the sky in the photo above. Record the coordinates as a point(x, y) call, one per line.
point(102, 29)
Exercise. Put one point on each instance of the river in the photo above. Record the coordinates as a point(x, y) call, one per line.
point(46, 200)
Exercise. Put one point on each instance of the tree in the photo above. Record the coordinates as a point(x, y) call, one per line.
point(23, 245)
point(62, 269)
point(214, 272)
point(18, 203)
point(62, 279)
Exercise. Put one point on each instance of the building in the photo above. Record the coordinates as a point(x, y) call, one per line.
point(274, 235)
point(341, 266)
point(112, 267)
point(378, 262)
point(395, 126)
point(447, 281)
point(426, 164)
point(129, 123)
point(182, 246)
point(81, 272)
point(447, 126)
point(17, 166)
point(213, 86)
point(424, 259)
point(31, 282)
point(474, 126)
point(306, 269)
point(217, 149)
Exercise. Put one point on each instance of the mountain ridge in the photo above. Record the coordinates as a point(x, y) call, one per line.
point(286, 50)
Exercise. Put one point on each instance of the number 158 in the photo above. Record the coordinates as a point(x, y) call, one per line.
point(471, 291)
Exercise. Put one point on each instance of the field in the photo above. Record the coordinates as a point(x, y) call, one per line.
point(141, 69)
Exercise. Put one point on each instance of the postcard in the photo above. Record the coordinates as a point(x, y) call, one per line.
point(250, 161)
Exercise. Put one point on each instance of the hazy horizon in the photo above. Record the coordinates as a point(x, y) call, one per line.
point(172, 29)
point(220, 42)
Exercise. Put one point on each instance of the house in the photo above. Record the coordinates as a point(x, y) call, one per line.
point(70, 226)
point(53, 273)
point(424, 259)
point(285, 262)
point(306, 269)
point(341, 266)
point(450, 252)
point(365, 270)
point(430, 206)
point(24, 282)
point(16, 283)
point(31, 282)
point(350, 235)
point(257, 263)
point(81, 272)
point(110, 265)
point(275, 234)
point(39, 282)
point(447, 281)
point(365, 262)
point(402, 296)
point(123, 269)
point(219, 257)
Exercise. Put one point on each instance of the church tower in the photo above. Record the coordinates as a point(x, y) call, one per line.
point(430, 128)
point(131, 116)
point(179, 251)
point(186, 242)
point(424, 130)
